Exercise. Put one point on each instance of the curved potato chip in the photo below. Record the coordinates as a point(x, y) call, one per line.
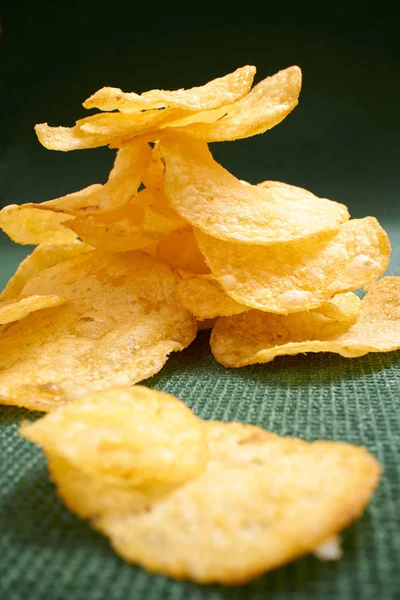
point(267, 104)
point(132, 438)
point(258, 337)
point(17, 308)
point(113, 129)
point(27, 224)
point(122, 319)
point(203, 296)
point(342, 307)
point(118, 129)
point(41, 258)
point(180, 251)
point(123, 183)
point(212, 199)
point(141, 223)
point(262, 501)
point(44, 223)
point(298, 276)
point(215, 93)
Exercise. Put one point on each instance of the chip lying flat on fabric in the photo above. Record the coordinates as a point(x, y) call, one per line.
point(209, 501)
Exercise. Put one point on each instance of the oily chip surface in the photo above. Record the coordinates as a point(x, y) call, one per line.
point(262, 501)
point(258, 337)
point(179, 250)
point(41, 258)
point(203, 296)
point(121, 440)
point(143, 114)
point(267, 104)
point(212, 199)
point(297, 276)
point(45, 223)
point(121, 320)
point(19, 307)
point(342, 307)
point(214, 94)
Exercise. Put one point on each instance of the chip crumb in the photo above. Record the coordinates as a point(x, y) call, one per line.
point(330, 549)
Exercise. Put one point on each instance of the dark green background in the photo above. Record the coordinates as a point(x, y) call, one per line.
point(341, 142)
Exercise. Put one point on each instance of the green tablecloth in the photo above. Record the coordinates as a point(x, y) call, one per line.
point(46, 553)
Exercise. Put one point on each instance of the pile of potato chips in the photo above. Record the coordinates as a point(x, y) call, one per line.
point(126, 272)
point(173, 241)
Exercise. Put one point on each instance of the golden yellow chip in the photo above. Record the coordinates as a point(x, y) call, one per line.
point(263, 501)
point(180, 251)
point(42, 257)
point(153, 175)
point(147, 112)
point(27, 224)
point(286, 278)
point(113, 129)
point(267, 104)
point(44, 223)
point(204, 297)
point(342, 307)
point(158, 212)
point(124, 439)
point(122, 319)
point(258, 337)
point(141, 223)
point(17, 308)
point(214, 94)
point(211, 198)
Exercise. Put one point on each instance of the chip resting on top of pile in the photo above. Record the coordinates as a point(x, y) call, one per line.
point(139, 114)
point(212, 199)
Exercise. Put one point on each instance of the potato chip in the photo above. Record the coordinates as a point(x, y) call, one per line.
point(159, 214)
point(112, 129)
point(262, 501)
point(17, 308)
point(27, 224)
point(153, 177)
point(258, 337)
point(44, 223)
point(41, 258)
point(122, 319)
point(298, 276)
point(214, 94)
point(146, 112)
point(267, 104)
point(211, 198)
point(203, 296)
point(142, 223)
point(342, 307)
point(127, 440)
point(180, 251)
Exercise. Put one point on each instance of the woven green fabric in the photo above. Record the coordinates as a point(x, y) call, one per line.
point(46, 553)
